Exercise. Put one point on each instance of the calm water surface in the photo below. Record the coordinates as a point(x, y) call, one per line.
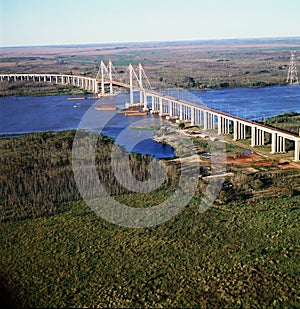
point(54, 113)
point(253, 103)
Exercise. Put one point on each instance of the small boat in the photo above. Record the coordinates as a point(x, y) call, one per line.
point(106, 108)
point(137, 113)
point(76, 98)
point(127, 111)
point(76, 106)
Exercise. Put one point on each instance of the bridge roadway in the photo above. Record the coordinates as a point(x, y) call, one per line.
point(84, 82)
point(184, 111)
point(178, 109)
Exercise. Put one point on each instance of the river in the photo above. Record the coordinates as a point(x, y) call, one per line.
point(53, 113)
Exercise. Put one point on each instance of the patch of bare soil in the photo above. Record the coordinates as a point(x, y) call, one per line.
point(249, 159)
point(256, 159)
point(284, 165)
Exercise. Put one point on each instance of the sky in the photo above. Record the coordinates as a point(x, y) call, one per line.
point(51, 22)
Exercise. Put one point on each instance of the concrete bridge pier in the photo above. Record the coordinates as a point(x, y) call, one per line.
point(192, 116)
point(145, 101)
point(185, 116)
point(278, 143)
point(197, 117)
point(160, 105)
point(181, 117)
point(208, 121)
point(205, 121)
point(95, 86)
point(260, 137)
point(226, 128)
point(173, 111)
point(239, 132)
point(141, 96)
point(223, 125)
point(257, 136)
point(171, 108)
point(297, 151)
point(166, 107)
point(274, 142)
point(155, 105)
point(176, 114)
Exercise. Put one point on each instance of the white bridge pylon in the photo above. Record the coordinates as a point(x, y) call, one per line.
point(137, 81)
point(105, 74)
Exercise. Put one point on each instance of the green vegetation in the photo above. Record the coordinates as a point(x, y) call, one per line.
point(36, 172)
point(289, 121)
point(245, 256)
point(55, 252)
point(24, 88)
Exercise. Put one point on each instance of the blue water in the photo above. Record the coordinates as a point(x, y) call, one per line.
point(252, 103)
point(53, 113)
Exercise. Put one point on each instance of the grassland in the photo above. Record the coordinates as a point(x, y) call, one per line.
point(246, 255)
point(56, 252)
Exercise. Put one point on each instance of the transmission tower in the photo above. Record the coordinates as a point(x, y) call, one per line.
point(292, 77)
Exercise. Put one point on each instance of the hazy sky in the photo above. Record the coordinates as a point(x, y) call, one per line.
point(42, 22)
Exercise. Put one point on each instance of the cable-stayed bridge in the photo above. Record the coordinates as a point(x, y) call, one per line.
point(167, 105)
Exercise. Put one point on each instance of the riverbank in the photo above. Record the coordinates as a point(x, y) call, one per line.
point(238, 153)
point(24, 88)
point(15, 89)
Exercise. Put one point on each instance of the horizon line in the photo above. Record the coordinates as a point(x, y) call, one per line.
point(150, 41)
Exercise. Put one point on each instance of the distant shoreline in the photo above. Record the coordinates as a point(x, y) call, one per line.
point(169, 42)
point(190, 64)
point(79, 91)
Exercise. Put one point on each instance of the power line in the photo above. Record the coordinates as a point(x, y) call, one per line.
point(292, 77)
